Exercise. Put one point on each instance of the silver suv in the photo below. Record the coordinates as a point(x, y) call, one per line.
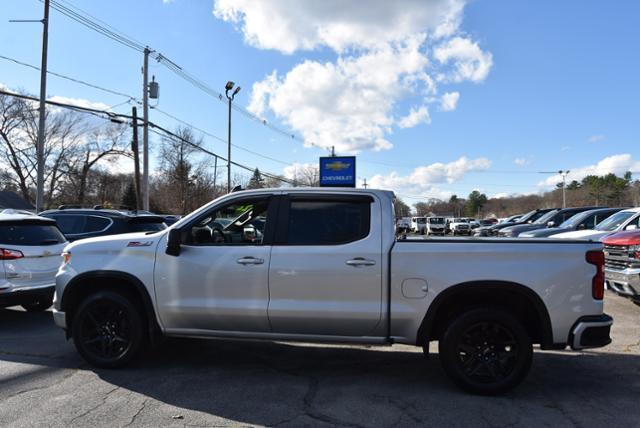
point(30, 249)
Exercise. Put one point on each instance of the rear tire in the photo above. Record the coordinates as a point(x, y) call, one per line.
point(40, 305)
point(107, 329)
point(486, 351)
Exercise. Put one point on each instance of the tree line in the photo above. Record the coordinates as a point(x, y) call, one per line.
point(593, 190)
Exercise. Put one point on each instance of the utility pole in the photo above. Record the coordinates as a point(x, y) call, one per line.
point(136, 157)
point(42, 112)
point(145, 129)
point(365, 183)
point(215, 172)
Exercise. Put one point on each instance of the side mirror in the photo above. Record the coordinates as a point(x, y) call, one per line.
point(173, 242)
point(631, 227)
point(581, 227)
point(551, 224)
point(529, 221)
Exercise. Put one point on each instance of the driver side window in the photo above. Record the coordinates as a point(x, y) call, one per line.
point(238, 223)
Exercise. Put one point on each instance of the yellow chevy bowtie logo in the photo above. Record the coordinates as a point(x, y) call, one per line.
point(337, 166)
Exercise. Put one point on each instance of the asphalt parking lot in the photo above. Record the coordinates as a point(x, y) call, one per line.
point(43, 382)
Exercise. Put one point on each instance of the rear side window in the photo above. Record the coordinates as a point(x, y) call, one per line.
point(96, 224)
point(70, 224)
point(30, 234)
point(327, 222)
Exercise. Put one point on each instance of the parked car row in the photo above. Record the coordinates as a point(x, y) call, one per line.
point(31, 246)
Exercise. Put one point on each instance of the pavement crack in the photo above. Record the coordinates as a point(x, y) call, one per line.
point(136, 414)
point(104, 400)
point(40, 387)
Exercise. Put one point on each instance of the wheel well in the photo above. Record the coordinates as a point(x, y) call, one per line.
point(89, 283)
point(520, 301)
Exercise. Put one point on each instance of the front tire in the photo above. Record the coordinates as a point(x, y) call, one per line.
point(486, 351)
point(107, 329)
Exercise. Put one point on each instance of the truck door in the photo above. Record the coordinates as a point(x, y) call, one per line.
point(325, 276)
point(219, 279)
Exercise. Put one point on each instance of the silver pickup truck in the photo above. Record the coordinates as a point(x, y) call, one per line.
point(325, 265)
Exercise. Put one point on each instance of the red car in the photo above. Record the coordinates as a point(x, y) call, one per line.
point(622, 263)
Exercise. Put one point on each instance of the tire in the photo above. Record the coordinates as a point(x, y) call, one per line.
point(42, 304)
point(486, 351)
point(107, 329)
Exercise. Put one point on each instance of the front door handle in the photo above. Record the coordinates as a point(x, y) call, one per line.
point(360, 261)
point(250, 261)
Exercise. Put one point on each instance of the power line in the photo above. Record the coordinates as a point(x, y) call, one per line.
point(73, 79)
point(175, 137)
point(219, 138)
point(110, 115)
point(106, 30)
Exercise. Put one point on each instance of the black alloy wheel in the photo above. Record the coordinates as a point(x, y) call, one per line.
point(486, 351)
point(107, 329)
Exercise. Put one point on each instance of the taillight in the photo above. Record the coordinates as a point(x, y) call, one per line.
point(597, 283)
point(6, 254)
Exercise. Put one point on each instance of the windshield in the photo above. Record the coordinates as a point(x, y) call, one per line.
point(613, 222)
point(436, 220)
point(575, 220)
point(421, 220)
point(546, 218)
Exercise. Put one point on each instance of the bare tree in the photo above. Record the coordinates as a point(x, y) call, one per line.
point(104, 144)
point(18, 134)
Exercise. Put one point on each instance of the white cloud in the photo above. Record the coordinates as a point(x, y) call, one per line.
point(415, 117)
point(616, 164)
point(292, 25)
point(384, 54)
point(449, 101)
point(347, 104)
point(521, 161)
point(80, 102)
point(597, 138)
point(424, 180)
point(469, 62)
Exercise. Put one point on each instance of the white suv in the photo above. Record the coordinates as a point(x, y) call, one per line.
point(30, 249)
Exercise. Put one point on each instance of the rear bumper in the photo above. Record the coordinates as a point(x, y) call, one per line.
point(25, 295)
point(591, 332)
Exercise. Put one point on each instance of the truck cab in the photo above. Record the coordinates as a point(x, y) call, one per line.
point(436, 226)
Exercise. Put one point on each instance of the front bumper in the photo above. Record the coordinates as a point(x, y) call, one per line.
point(60, 318)
point(25, 295)
point(591, 332)
point(624, 282)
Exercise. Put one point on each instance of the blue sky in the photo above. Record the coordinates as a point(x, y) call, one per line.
point(436, 97)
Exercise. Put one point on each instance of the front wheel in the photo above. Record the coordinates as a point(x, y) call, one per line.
point(486, 351)
point(107, 329)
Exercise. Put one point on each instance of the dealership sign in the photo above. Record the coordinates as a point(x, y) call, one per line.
point(338, 171)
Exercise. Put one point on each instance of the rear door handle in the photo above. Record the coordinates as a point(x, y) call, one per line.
point(360, 261)
point(250, 261)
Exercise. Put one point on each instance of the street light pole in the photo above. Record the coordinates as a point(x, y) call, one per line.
point(42, 112)
point(229, 86)
point(564, 186)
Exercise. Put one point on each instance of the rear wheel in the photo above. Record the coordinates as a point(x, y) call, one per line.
point(486, 351)
point(40, 305)
point(107, 329)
